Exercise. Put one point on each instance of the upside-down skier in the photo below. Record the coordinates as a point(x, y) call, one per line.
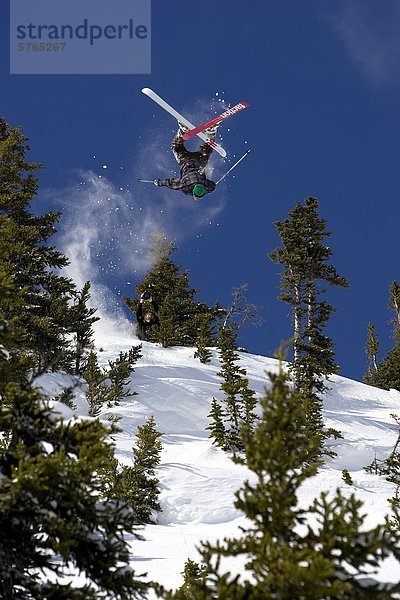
point(192, 180)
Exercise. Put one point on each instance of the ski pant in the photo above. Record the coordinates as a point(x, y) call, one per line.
point(182, 155)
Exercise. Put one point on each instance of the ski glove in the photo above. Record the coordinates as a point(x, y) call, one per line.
point(156, 182)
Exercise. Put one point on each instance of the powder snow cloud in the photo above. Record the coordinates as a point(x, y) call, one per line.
point(106, 228)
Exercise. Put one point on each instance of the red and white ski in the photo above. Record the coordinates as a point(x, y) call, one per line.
point(181, 119)
point(216, 120)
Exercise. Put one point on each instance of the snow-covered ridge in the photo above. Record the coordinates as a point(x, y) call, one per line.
point(198, 481)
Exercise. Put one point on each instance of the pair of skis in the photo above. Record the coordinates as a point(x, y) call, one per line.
point(200, 130)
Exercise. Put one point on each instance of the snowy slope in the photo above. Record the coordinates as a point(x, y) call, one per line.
point(198, 482)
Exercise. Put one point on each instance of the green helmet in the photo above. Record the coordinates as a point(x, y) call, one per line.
point(199, 190)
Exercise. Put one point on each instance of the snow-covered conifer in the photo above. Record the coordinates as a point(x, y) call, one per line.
point(82, 318)
point(287, 555)
point(119, 373)
point(217, 427)
point(238, 401)
point(138, 485)
point(204, 339)
point(169, 288)
point(387, 373)
point(52, 519)
point(45, 314)
point(97, 392)
point(306, 271)
point(371, 351)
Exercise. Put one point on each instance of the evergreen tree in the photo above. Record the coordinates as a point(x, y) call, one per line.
point(239, 401)
point(178, 310)
point(192, 572)
point(193, 587)
point(119, 373)
point(97, 393)
point(51, 517)
point(390, 467)
point(249, 418)
point(108, 475)
point(347, 477)
point(193, 580)
point(138, 485)
point(287, 555)
point(108, 387)
point(371, 350)
point(217, 428)
point(304, 257)
point(387, 373)
point(204, 339)
point(30, 259)
point(14, 360)
point(67, 397)
point(82, 318)
point(394, 305)
point(387, 376)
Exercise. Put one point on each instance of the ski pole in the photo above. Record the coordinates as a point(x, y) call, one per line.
point(232, 167)
point(146, 180)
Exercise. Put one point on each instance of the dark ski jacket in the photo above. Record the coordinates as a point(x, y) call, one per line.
point(189, 177)
point(192, 166)
point(145, 326)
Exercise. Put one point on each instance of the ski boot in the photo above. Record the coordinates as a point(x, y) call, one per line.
point(211, 132)
point(181, 129)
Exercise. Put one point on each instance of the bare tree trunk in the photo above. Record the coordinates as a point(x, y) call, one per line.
point(311, 301)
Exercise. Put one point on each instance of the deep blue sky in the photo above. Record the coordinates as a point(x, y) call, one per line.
point(323, 81)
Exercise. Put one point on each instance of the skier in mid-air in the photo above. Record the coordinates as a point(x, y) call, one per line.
point(192, 180)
